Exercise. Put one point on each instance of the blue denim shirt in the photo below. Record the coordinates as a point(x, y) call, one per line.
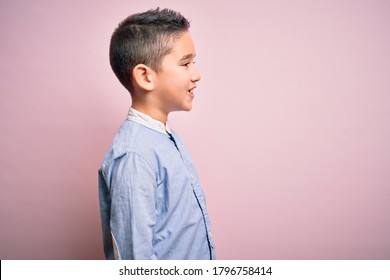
point(151, 203)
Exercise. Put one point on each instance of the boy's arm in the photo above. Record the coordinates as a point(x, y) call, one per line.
point(133, 214)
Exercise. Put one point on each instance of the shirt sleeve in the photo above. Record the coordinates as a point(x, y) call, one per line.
point(133, 215)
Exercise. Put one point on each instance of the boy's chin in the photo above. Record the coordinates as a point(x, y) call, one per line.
point(186, 108)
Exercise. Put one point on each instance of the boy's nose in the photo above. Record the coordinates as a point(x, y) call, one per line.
point(196, 76)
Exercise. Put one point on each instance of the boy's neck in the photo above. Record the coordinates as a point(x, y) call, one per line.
point(151, 112)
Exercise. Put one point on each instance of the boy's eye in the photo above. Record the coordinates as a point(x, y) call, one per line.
point(188, 63)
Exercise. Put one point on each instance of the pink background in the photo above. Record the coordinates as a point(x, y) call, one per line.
point(290, 127)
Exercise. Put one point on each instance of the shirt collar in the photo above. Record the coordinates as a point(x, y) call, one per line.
point(147, 121)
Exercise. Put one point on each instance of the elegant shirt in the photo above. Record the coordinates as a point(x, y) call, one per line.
point(151, 203)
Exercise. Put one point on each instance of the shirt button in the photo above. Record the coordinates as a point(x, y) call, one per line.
point(203, 205)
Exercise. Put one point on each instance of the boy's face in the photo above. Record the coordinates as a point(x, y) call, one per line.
point(175, 82)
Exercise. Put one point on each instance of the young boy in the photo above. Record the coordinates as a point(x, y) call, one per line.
point(151, 202)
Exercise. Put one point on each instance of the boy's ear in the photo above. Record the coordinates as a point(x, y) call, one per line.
point(143, 77)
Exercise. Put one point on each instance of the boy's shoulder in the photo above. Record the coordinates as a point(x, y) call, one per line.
point(134, 138)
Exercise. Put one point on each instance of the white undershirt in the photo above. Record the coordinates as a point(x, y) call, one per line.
point(148, 121)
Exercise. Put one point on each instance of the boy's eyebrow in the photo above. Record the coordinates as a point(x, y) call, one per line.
point(188, 56)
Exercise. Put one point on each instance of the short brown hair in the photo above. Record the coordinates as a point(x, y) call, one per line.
point(144, 38)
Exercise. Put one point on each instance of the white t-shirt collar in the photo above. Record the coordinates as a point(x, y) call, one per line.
point(147, 121)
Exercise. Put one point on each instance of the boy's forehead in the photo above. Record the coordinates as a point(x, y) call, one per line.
point(183, 46)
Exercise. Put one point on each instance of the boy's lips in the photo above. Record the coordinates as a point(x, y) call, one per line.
point(191, 91)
